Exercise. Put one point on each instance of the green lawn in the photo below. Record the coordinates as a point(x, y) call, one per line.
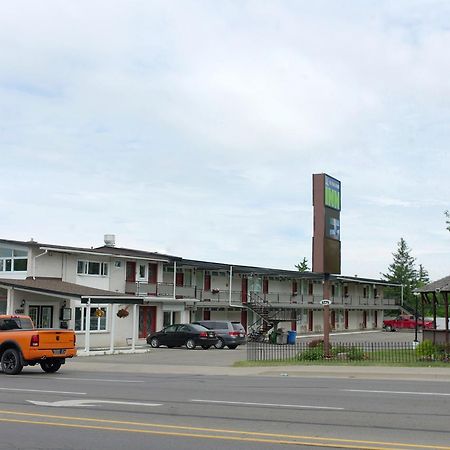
point(401, 357)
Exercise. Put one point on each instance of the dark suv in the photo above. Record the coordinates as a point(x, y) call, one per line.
point(230, 334)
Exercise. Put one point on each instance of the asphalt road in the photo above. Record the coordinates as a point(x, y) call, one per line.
point(152, 401)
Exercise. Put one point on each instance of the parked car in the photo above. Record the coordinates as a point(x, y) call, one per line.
point(230, 334)
point(405, 321)
point(190, 335)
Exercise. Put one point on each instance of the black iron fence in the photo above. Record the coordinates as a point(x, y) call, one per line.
point(377, 352)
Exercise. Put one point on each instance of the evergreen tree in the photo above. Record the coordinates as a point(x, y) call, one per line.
point(402, 271)
point(302, 266)
point(422, 276)
point(447, 215)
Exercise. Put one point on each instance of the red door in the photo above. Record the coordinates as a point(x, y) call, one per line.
point(131, 271)
point(310, 320)
point(206, 315)
point(147, 320)
point(364, 319)
point(346, 319)
point(265, 286)
point(244, 290)
point(180, 279)
point(207, 283)
point(333, 319)
point(152, 273)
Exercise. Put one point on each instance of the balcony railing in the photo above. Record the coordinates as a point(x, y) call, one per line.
point(222, 296)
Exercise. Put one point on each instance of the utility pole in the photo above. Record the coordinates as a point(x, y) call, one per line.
point(326, 314)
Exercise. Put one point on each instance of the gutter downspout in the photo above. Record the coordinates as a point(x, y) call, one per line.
point(34, 262)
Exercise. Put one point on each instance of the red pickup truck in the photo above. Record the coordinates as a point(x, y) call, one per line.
point(405, 321)
point(23, 345)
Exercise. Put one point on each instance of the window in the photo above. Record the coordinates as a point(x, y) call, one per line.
point(97, 323)
point(92, 268)
point(12, 260)
point(142, 271)
point(168, 318)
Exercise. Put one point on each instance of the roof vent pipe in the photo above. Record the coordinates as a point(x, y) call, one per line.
point(110, 240)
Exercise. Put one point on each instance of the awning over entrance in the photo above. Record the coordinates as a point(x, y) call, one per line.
point(55, 287)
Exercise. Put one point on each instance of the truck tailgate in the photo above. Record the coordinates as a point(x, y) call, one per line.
point(50, 339)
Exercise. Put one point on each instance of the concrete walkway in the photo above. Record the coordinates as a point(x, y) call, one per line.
point(220, 362)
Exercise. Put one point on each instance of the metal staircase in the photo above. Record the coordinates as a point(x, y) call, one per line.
point(408, 309)
point(268, 314)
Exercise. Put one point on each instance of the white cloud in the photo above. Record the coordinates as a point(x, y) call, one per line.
point(195, 126)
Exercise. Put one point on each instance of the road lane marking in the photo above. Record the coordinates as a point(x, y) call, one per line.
point(277, 405)
point(256, 436)
point(42, 391)
point(59, 378)
point(87, 402)
point(101, 379)
point(397, 392)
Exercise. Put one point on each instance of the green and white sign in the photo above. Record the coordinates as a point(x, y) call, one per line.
point(332, 193)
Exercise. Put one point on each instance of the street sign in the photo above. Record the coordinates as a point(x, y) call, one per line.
point(325, 302)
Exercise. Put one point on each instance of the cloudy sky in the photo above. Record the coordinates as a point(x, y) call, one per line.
point(194, 127)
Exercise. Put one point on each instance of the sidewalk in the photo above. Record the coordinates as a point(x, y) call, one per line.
point(145, 364)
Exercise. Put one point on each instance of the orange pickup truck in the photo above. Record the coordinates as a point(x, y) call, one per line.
point(23, 345)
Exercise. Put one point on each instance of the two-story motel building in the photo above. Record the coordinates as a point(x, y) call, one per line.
point(62, 286)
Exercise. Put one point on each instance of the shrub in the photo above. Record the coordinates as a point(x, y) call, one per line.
point(316, 343)
point(350, 353)
point(313, 353)
point(426, 350)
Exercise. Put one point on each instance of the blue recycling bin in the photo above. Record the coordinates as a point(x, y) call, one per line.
point(292, 336)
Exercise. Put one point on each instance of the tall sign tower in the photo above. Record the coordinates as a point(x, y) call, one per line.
point(326, 255)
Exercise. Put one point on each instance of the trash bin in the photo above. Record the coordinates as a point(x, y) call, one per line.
point(273, 337)
point(282, 338)
point(292, 336)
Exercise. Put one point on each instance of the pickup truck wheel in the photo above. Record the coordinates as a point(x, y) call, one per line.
point(11, 364)
point(50, 366)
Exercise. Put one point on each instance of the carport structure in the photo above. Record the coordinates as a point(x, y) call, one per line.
point(60, 292)
point(432, 294)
